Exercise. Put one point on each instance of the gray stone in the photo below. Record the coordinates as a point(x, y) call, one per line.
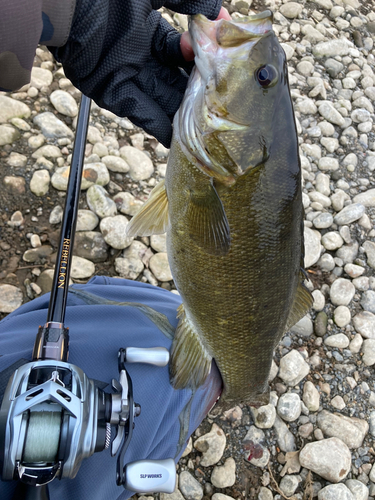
point(289, 484)
point(284, 437)
point(140, 165)
point(349, 214)
point(12, 108)
point(100, 202)
point(367, 198)
point(94, 135)
point(158, 242)
point(356, 344)
point(113, 230)
point(364, 323)
point(189, 486)
point(342, 291)
point(225, 476)
point(348, 252)
point(326, 262)
point(129, 267)
point(36, 254)
point(8, 135)
point(332, 240)
point(329, 458)
point(127, 204)
point(319, 300)
point(328, 112)
point(304, 327)
point(64, 103)
point(293, 368)
point(369, 248)
point(16, 160)
point(56, 215)
point(47, 151)
point(338, 403)
point(289, 406)
point(176, 495)
point(358, 489)
point(115, 164)
point(306, 106)
point(211, 445)
point(333, 67)
point(335, 492)
point(45, 280)
point(323, 221)
point(39, 183)
point(90, 245)
point(328, 164)
point(254, 445)
point(368, 349)
point(350, 430)
point(81, 268)
point(51, 126)
point(93, 173)
point(264, 416)
point(86, 220)
point(332, 48)
point(14, 184)
point(291, 9)
point(311, 396)
point(264, 494)
point(11, 298)
point(338, 340)
point(368, 301)
point(312, 247)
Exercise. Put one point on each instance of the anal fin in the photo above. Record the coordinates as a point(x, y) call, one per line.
point(190, 362)
point(208, 223)
point(153, 216)
point(302, 302)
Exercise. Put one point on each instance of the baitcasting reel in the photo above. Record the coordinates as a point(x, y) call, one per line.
point(52, 415)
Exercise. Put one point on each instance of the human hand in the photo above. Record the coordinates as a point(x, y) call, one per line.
point(127, 58)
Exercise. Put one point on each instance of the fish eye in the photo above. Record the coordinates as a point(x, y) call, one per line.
point(266, 76)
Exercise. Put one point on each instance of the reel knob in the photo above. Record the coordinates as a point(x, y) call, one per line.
point(147, 476)
point(157, 356)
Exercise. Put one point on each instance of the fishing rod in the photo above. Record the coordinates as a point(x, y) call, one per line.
point(53, 415)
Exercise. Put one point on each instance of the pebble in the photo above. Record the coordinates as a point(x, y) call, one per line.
point(338, 403)
point(358, 489)
point(264, 494)
point(128, 267)
point(335, 492)
point(211, 445)
point(312, 247)
point(289, 484)
point(51, 126)
point(140, 165)
point(113, 230)
point(338, 340)
point(350, 430)
point(11, 298)
point(342, 291)
point(341, 317)
point(127, 204)
point(8, 135)
point(47, 151)
point(349, 214)
point(221, 496)
point(16, 160)
point(115, 164)
point(100, 202)
point(35, 254)
point(368, 349)
point(86, 220)
point(332, 240)
point(311, 397)
point(190, 487)
point(11, 108)
point(225, 476)
point(14, 184)
point(64, 103)
point(369, 248)
point(264, 416)
point(291, 10)
point(367, 198)
point(39, 183)
point(293, 368)
point(81, 268)
point(284, 437)
point(40, 77)
point(160, 267)
point(289, 406)
point(254, 447)
point(328, 112)
point(329, 458)
point(364, 323)
point(91, 245)
point(304, 327)
point(319, 300)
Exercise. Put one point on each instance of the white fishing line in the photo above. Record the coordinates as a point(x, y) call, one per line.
point(43, 434)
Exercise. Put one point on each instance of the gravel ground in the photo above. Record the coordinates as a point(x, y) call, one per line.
point(315, 438)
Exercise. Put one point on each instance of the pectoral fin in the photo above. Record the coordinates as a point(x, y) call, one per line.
point(190, 362)
point(153, 216)
point(208, 223)
point(301, 304)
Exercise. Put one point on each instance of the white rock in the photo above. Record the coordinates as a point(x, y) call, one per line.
point(291, 9)
point(338, 403)
point(335, 492)
point(39, 183)
point(100, 202)
point(368, 348)
point(358, 489)
point(81, 268)
point(328, 112)
point(289, 483)
point(64, 103)
point(8, 135)
point(160, 267)
point(332, 48)
point(304, 327)
point(126, 203)
point(284, 437)
point(140, 165)
point(40, 77)
point(312, 247)
point(113, 230)
point(158, 242)
point(342, 317)
point(350, 430)
point(51, 126)
point(328, 164)
point(338, 340)
point(115, 164)
point(342, 291)
point(289, 406)
point(254, 445)
point(332, 240)
point(211, 445)
point(293, 368)
point(311, 396)
point(329, 458)
point(190, 487)
point(10, 298)
point(11, 108)
point(319, 300)
point(225, 476)
point(349, 214)
point(264, 416)
point(86, 220)
point(129, 267)
point(367, 198)
point(364, 323)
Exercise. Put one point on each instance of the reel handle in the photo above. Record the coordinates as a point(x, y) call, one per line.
point(26, 492)
point(147, 476)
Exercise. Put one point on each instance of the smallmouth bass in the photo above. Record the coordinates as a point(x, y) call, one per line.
point(231, 204)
